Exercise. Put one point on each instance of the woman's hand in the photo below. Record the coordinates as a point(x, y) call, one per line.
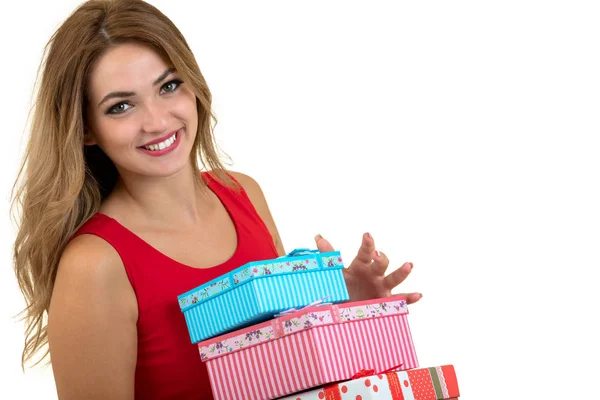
point(365, 276)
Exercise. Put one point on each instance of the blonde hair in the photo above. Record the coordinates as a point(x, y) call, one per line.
point(61, 185)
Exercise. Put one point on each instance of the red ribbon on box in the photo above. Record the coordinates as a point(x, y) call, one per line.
point(333, 391)
point(368, 372)
point(362, 373)
point(395, 388)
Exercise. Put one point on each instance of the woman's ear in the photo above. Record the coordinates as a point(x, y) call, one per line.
point(89, 138)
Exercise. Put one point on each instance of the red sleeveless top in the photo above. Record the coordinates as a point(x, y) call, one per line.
point(168, 364)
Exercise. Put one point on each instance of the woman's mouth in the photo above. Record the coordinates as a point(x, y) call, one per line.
point(164, 146)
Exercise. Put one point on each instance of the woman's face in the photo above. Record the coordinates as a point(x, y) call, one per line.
point(140, 113)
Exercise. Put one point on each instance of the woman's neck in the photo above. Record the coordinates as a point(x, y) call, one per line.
point(182, 199)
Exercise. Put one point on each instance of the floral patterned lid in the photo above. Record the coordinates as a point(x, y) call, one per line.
point(298, 321)
point(298, 261)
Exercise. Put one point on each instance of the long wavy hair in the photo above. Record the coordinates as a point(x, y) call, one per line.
point(61, 183)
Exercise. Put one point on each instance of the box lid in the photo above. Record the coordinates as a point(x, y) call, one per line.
point(301, 320)
point(298, 261)
point(421, 383)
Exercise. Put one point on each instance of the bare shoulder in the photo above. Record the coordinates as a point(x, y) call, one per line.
point(91, 260)
point(92, 317)
point(90, 267)
point(257, 197)
point(89, 245)
point(253, 190)
point(249, 184)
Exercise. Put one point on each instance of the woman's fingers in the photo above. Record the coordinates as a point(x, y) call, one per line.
point(411, 297)
point(367, 247)
point(398, 276)
point(380, 263)
point(323, 244)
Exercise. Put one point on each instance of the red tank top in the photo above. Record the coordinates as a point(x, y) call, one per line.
point(168, 364)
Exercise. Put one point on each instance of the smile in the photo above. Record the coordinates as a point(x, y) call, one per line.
point(162, 145)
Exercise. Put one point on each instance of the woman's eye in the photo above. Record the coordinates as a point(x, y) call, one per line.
point(118, 108)
point(171, 86)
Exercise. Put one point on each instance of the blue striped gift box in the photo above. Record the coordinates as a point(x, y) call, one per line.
point(256, 291)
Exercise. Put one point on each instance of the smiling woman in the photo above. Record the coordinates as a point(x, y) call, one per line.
point(141, 114)
point(122, 118)
point(116, 217)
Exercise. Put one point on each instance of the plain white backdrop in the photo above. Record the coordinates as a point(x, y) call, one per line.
point(462, 135)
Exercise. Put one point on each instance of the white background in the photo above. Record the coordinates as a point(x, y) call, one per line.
point(462, 135)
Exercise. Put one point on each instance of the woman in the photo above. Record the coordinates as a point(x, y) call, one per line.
point(117, 219)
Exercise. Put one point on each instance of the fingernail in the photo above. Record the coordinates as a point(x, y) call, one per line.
point(410, 265)
point(369, 235)
point(420, 295)
point(318, 237)
point(378, 253)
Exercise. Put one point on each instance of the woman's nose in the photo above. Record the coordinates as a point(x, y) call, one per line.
point(155, 118)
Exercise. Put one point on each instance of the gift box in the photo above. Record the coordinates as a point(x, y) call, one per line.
point(258, 290)
point(309, 348)
point(435, 383)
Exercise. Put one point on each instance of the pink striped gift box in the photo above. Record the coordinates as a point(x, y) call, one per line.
point(309, 348)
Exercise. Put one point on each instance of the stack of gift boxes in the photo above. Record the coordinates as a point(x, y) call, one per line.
point(285, 327)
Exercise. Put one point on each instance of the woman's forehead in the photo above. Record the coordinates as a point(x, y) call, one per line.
point(126, 67)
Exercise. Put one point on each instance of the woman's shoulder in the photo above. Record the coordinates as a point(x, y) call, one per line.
point(90, 266)
point(93, 307)
point(243, 182)
point(259, 202)
point(88, 254)
point(234, 180)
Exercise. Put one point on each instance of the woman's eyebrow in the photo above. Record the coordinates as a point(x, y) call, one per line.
point(158, 80)
point(163, 76)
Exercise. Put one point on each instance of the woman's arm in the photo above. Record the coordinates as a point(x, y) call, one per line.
point(92, 324)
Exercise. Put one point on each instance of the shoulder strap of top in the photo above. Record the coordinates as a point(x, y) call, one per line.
point(239, 205)
point(126, 244)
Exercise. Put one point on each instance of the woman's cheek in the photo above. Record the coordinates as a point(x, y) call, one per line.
point(121, 132)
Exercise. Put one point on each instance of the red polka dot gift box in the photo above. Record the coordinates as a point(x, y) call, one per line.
point(309, 348)
point(435, 383)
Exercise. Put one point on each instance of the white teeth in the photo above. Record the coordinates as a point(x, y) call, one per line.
point(162, 145)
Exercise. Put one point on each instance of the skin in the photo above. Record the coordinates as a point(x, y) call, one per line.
point(93, 344)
